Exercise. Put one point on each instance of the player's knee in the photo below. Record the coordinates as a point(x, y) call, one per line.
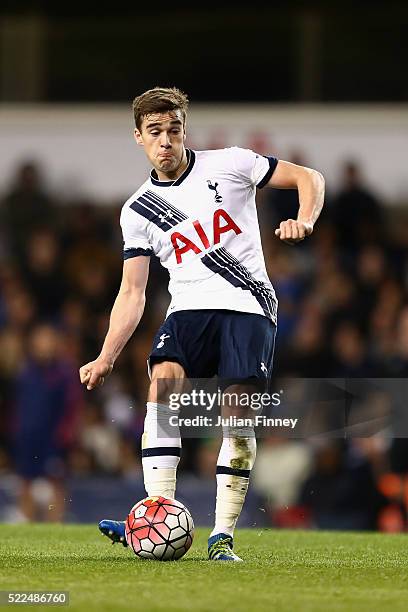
point(167, 378)
point(239, 400)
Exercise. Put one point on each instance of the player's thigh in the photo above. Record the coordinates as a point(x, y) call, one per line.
point(247, 347)
point(190, 338)
point(167, 377)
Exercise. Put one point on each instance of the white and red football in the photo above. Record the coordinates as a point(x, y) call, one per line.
point(159, 528)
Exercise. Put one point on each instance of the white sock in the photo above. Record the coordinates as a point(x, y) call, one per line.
point(235, 462)
point(160, 452)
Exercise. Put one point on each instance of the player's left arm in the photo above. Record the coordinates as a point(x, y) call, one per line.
point(310, 186)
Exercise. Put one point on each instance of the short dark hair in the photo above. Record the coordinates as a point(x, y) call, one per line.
point(159, 100)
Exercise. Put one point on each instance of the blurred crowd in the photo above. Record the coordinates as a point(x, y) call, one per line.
point(343, 312)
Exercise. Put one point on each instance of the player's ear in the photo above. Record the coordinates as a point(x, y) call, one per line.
point(184, 131)
point(138, 137)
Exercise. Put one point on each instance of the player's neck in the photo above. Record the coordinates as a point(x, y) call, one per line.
point(175, 174)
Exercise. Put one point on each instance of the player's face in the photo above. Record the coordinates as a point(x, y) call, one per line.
point(162, 135)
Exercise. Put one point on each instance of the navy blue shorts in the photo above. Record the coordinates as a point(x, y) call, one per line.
point(223, 343)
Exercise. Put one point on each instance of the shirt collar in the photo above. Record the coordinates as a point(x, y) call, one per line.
point(190, 163)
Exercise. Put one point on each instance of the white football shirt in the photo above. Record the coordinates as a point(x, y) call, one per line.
point(204, 229)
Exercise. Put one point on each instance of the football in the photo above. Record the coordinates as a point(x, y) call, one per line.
point(159, 528)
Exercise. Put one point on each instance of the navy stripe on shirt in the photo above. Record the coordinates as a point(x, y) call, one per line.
point(129, 253)
point(273, 162)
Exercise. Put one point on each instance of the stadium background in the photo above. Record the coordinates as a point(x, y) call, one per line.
point(322, 86)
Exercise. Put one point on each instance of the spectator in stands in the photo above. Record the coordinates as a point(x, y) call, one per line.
point(26, 207)
point(42, 272)
point(356, 212)
point(100, 439)
point(398, 365)
point(341, 491)
point(47, 402)
point(292, 463)
point(350, 359)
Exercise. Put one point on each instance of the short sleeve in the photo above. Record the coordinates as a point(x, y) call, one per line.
point(253, 168)
point(135, 240)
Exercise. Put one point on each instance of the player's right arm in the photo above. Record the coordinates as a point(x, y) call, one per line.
point(125, 316)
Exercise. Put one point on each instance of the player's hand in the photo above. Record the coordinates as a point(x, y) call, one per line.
point(93, 374)
point(292, 231)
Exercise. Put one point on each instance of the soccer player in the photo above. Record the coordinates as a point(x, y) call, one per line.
point(197, 213)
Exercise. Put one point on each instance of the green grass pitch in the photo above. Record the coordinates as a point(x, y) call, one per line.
point(283, 571)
